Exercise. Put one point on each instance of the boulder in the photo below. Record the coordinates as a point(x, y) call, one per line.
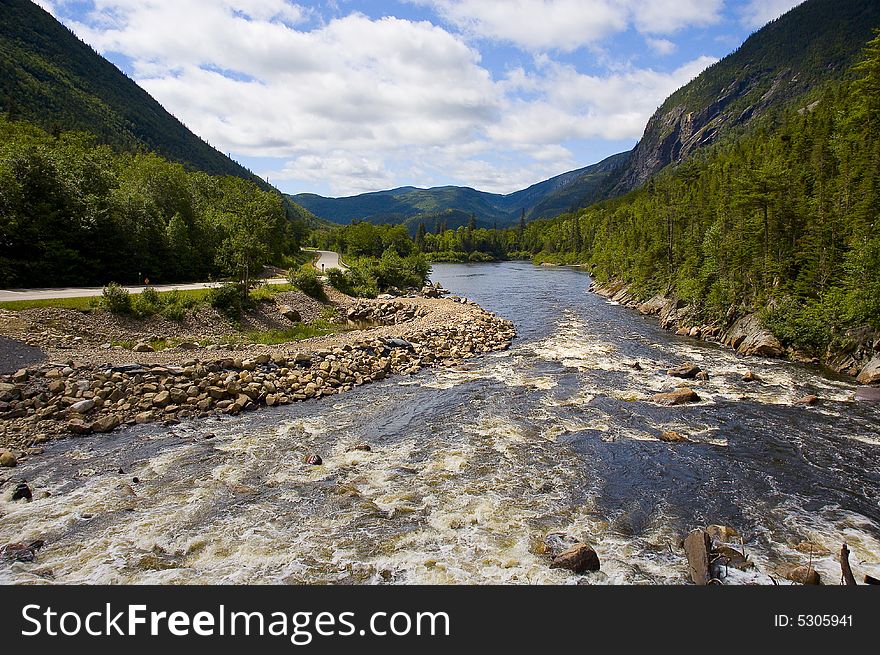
point(22, 490)
point(161, 399)
point(679, 396)
point(107, 423)
point(313, 460)
point(800, 573)
point(807, 400)
point(580, 558)
point(290, 313)
point(688, 371)
point(749, 337)
point(78, 426)
point(750, 376)
point(9, 392)
point(870, 374)
point(83, 406)
point(722, 534)
point(143, 347)
point(653, 306)
point(673, 437)
point(868, 394)
point(7, 459)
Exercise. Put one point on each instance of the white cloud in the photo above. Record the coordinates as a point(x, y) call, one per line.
point(757, 13)
point(661, 46)
point(356, 104)
point(668, 16)
point(575, 105)
point(566, 25)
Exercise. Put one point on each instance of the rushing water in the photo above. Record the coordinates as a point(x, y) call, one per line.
point(471, 466)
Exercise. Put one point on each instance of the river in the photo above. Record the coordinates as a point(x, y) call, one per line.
point(470, 466)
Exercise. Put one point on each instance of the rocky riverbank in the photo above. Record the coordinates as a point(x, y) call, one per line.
point(745, 334)
point(99, 390)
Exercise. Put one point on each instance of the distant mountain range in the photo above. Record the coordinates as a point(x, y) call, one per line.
point(454, 205)
point(779, 64)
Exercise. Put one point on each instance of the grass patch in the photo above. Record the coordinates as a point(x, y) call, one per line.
point(82, 304)
point(88, 303)
point(268, 291)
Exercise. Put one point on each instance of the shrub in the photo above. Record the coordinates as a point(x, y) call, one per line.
point(477, 256)
point(357, 281)
point(393, 270)
point(228, 299)
point(147, 302)
point(306, 280)
point(116, 299)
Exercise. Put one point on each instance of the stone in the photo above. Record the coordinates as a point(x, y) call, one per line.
point(7, 459)
point(9, 392)
point(807, 400)
point(679, 396)
point(721, 534)
point(142, 347)
point(22, 490)
point(750, 376)
point(802, 574)
point(21, 375)
point(20, 552)
point(290, 313)
point(188, 345)
point(687, 371)
point(580, 558)
point(870, 374)
point(313, 460)
point(161, 399)
point(673, 437)
point(363, 447)
point(107, 423)
point(868, 394)
point(78, 426)
point(83, 406)
point(749, 337)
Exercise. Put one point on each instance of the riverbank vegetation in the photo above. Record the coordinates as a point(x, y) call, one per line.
point(78, 213)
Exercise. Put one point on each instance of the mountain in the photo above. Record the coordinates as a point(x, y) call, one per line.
point(454, 205)
point(811, 44)
point(51, 78)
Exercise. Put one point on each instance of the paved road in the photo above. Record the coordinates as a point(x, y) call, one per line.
point(328, 259)
point(87, 292)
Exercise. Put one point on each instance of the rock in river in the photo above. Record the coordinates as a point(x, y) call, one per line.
point(7, 459)
point(686, 371)
point(870, 374)
point(679, 396)
point(580, 558)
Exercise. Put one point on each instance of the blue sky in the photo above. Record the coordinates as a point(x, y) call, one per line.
point(339, 97)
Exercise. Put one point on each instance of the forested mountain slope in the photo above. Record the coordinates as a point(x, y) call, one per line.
point(811, 44)
point(51, 78)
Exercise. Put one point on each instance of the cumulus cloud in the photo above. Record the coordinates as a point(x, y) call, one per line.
point(573, 104)
point(569, 24)
point(757, 13)
point(661, 46)
point(355, 103)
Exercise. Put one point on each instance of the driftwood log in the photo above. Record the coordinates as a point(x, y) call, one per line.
point(848, 577)
point(697, 545)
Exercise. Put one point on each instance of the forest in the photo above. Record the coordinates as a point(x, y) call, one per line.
point(74, 212)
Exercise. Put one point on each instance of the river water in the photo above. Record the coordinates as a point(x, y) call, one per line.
point(471, 466)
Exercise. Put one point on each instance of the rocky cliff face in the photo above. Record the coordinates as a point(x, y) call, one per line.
point(813, 43)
